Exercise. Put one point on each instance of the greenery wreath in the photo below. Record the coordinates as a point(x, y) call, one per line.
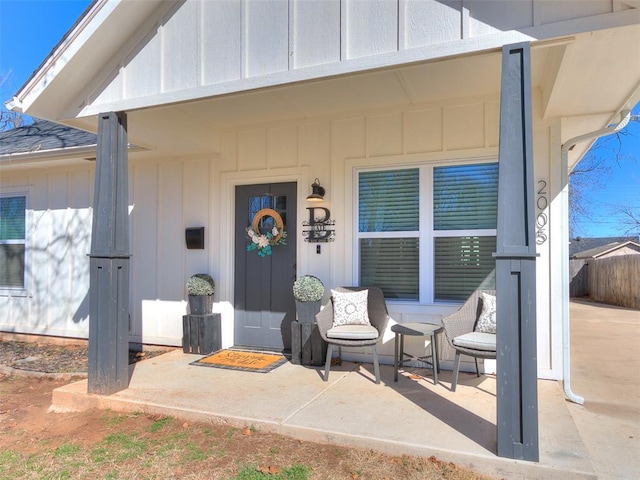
point(263, 242)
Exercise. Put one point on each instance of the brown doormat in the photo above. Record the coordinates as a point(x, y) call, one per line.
point(245, 360)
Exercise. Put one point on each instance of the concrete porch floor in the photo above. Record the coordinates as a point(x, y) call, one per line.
point(597, 440)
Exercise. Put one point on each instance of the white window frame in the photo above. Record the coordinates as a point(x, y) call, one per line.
point(18, 291)
point(426, 234)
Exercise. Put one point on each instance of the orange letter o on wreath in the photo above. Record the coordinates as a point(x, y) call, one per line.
point(268, 212)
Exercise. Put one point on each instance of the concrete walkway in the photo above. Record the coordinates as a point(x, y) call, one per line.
point(412, 416)
point(606, 372)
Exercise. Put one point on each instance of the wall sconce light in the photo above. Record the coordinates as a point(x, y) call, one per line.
point(317, 192)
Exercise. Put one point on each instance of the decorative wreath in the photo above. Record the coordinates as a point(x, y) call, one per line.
point(263, 242)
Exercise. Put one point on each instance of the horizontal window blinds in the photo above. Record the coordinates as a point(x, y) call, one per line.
point(12, 218)
point(391, 264)
point(462, 265)
point(465, 197)
point(12, 237)
point(389, 201)
point(11, 265)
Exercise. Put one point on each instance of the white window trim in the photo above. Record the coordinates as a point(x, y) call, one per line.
point(19, 291)
point(426, 233)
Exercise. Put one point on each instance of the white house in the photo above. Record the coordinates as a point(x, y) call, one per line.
point(237, 106)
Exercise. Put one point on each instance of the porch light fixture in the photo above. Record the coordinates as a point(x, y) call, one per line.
point(317, 192)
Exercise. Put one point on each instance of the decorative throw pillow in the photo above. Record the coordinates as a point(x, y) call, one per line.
point(350, 308)
point(487, 320)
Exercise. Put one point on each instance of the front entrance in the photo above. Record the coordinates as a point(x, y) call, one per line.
point(263, 301)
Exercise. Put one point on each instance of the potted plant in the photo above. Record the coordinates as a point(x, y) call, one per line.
point(201, 288)
point(308, 291)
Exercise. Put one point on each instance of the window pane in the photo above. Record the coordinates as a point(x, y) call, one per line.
point(254, 204)
point(12, 218)
point(392, 265)
point(463, 264)
point(465, 197)
point(11, 265)
point(388, 201)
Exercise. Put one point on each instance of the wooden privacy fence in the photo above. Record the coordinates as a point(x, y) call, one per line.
point(578, 278)
point(615, 280)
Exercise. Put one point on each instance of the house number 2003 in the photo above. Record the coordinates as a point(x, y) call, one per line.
point(541, 217)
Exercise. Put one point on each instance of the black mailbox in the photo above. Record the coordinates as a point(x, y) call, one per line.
point(194, 238)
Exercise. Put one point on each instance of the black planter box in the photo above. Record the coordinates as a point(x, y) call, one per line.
point(307, 346)
point(201, 334)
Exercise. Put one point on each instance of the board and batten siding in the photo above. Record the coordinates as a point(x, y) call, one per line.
point(58, 235)
point(233, 44)
point(165, 197)
point(331, 148)
point(169, 194)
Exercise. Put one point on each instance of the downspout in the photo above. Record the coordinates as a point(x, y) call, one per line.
point(625, 116)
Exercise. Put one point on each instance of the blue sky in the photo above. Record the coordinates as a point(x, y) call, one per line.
point(29, 29)
point(617, 184)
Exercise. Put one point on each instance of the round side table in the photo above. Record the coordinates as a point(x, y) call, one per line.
point(416, 330)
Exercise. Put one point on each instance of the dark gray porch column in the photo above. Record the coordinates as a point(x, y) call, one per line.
point(517, 393)
point(109, 261)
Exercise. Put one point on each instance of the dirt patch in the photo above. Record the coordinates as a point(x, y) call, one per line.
point(106, 444)
point(44, 357)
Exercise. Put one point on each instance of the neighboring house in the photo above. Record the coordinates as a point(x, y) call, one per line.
point(606, 283)
point(392, 105)
point(585, 248)
point(604, 275)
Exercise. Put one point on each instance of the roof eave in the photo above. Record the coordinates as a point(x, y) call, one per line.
point(67, 47)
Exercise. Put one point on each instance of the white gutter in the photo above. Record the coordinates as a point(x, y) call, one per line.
point(625, 116)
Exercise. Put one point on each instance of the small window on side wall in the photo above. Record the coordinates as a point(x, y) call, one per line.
point(12, 241)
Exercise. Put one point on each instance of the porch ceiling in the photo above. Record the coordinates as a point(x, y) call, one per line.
point(194, 127)
point(588, 77)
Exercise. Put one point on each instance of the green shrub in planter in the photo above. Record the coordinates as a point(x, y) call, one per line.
point(201, 288)
point(308, 289)
point(201, 284)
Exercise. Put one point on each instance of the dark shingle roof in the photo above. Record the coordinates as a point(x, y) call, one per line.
point(43, 135)
point(594, 246)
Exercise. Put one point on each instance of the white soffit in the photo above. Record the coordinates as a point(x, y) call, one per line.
point(604, 67)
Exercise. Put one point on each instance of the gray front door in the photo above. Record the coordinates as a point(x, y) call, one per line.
point(263, 304)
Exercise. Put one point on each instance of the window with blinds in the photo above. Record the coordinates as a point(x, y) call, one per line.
point(465, 197)
point(391, 264)
point(465, 207)
point(12, 241)
point(388, 225)
point(448, 248)
point(388, 201)
point(461, 265)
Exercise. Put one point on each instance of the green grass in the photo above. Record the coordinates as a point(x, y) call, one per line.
point(99, 455)
point(126, 446)
point(194, 454)
point(66, 450)
point(10, 462)
point(113, 421)
point(295, 472)
point(158, 424)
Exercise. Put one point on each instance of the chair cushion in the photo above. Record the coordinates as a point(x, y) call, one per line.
point(350, 308)
point(353, 332)
point(487, 320)
point(477, 341)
